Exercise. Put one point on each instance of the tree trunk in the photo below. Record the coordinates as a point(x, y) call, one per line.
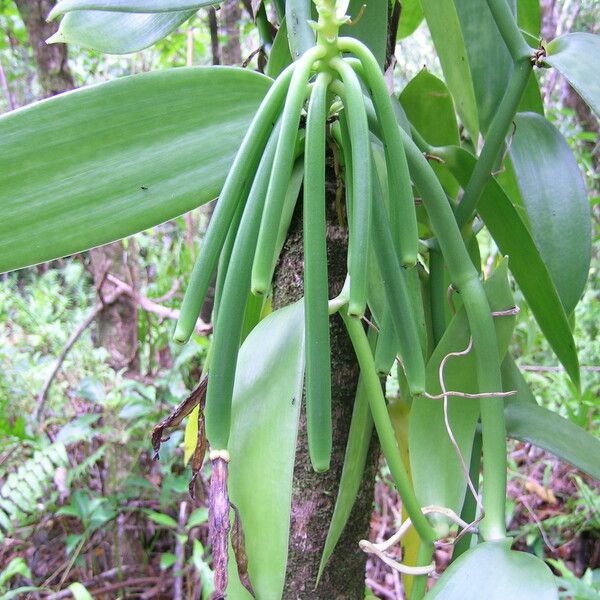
point(231, 52)
point(117, 323)
point(314, 494)
point(51, 59)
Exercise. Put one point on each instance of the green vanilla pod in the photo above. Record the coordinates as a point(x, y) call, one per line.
point(383, 425)
point(316, 289)
point(262, 268)
point(438, 295)
point(360, 223)
point(387, 345)
point(224, 258)
point(344, 145)
point(234, 190)
point(397, 293)
point(230, 317)
point(403, 215)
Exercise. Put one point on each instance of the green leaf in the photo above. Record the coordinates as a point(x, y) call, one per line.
point(101, 163)
point(371, 29)
point(300, 34)
point(411, 17)
point(544, 428)
point(430, 109)
point(198, 517)
point(444, 25)
point(531, 101)
point(554, 197)
point(265, 412)
point(576, 56)
point(17, 566)
point(437, 473)
point(4, 524)
point(80, 592)
point(490, 62)
point(513, 380)
point(128, 6)
point(529, 16)
point(167, 559)
point(514, 240)
point(161, 519)
point(494, 571)
point(117, 33)
point(279, 57)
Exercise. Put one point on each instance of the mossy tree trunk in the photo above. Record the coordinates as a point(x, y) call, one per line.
point(314, 494)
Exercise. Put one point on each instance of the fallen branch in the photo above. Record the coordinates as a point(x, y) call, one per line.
point(154, 307)
point(96, 580)
point(119, 585)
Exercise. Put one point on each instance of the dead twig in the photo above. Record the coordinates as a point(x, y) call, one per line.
point(195, 398)
point(119, 585)
point(179, 553)
point(115, 572)
point(42, 396)
point(154, 307)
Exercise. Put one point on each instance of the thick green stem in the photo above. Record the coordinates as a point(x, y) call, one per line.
point(494, 142)
point(383, 425)
point(493, 526)
point(509, 30)
point(419, 586)
point(466, 280)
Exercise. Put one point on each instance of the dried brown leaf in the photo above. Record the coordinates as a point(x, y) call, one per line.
point(238, 544)
point(197, 396)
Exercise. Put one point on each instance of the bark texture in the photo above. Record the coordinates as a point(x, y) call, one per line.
point(314, 494)
point(116, 325)
point(231, 53)
point(51, 59)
